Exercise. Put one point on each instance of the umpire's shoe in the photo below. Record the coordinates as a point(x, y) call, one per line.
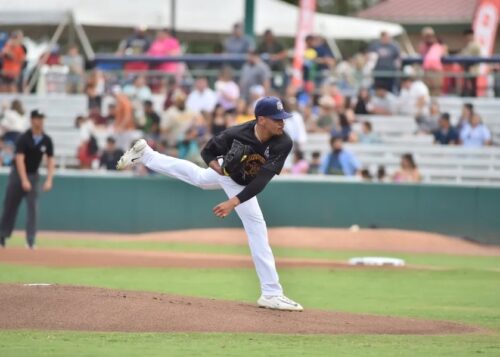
point(279, 303)
point(132, 155)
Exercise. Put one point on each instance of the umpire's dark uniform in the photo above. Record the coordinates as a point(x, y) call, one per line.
point(33, 147)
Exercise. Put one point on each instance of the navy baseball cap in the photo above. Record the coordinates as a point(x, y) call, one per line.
point(271, 107)
point(37, 114)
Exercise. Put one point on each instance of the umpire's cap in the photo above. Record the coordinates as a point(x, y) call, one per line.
point(271, 107)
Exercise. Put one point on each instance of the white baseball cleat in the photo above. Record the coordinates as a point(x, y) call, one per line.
point(132, 155)
point(280, 302)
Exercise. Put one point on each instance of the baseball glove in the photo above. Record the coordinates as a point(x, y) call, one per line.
point(235, 158)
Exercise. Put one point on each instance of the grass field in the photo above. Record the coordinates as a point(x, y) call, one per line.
point(464, 289)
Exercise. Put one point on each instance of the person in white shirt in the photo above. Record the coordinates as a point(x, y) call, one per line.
point(13, 122)
point(383, 102)
point(227, 90)
point(294, 126)
point(202, 98)
point(475, 134)
point(414, 98)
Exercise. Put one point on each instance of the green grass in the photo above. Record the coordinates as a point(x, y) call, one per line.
point(434, 260)
point(24, 343)
point(461, 295)
point(468, 291)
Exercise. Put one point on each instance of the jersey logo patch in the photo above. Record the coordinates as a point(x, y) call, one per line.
point(279, 105)
point(266, 153)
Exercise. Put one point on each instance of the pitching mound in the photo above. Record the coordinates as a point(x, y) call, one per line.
point(93, 309)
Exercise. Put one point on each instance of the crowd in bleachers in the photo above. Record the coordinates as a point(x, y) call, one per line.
point(178, 114)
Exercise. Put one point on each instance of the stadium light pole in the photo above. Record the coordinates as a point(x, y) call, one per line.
point(173, 6)
point(249, 17)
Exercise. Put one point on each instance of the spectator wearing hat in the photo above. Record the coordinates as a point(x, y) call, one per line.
point(23, 179)
point(327, 114)
point(414, 98)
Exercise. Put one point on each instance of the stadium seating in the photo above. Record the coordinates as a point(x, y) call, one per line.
point(61, 111)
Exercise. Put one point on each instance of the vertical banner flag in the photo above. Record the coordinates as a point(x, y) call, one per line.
point(304, 28)
point(485, 30)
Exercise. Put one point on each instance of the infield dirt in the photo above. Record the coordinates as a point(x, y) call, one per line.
point(75, 308)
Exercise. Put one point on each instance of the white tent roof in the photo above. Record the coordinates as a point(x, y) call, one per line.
point(211, 16)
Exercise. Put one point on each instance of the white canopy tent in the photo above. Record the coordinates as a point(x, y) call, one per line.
point(210, 16)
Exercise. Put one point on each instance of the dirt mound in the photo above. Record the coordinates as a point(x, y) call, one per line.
point(386, 240)
point(93, 309)
point(86, 257)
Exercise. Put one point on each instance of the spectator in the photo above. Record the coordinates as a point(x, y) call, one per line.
point(176, 120)
point(362, 101)
point(340, 161)
point(227, 89)
point(426, 124)
point(446, 134)
point(475, 134)
point(13, 55)
point(366, 175)
point(367, 136)
point(388, 61)
point(330, 88)
point(188, 147)
point(381, 174)
point(472, 48)
point(238, 43)
point(414, 98)
point(343, 129)
point(110, 155)
point(202, 98)
point(244, 112)
point(383, 103)
point(254, 72)
point(325, 61)
point(408, 171)
point(294, 126)
point(300, 165)
point(87, 149)
point(7, 152)
point(315, 165)
point(309, 67)
point(138, 90)
point(276, 54)
point(171, 88)
point(432, 50)
point(76, 66)
point(13, 122)
point(466, 116)
point(94, 88)
point(327, 115)
point(135, 45)
point(123, 124)
point(219, 121)
point(97, 118)
point(151, 121)
point(165, 45)
point(111, 114)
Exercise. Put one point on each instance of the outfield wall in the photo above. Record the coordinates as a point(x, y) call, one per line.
point(142, 204)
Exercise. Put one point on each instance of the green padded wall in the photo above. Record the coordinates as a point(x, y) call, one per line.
point(142, 204)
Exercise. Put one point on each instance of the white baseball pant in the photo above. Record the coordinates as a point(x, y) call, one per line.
point(249, 211)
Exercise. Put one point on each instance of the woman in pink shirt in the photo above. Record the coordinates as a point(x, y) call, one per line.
point(300, 166)
point(165, 45)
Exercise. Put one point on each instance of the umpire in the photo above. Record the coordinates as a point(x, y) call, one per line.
point(23, 178)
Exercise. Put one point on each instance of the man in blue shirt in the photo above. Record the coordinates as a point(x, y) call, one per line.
point(445, 134)
point(340, 161)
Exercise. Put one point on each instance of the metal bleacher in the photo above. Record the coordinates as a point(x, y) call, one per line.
point(61, 111)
